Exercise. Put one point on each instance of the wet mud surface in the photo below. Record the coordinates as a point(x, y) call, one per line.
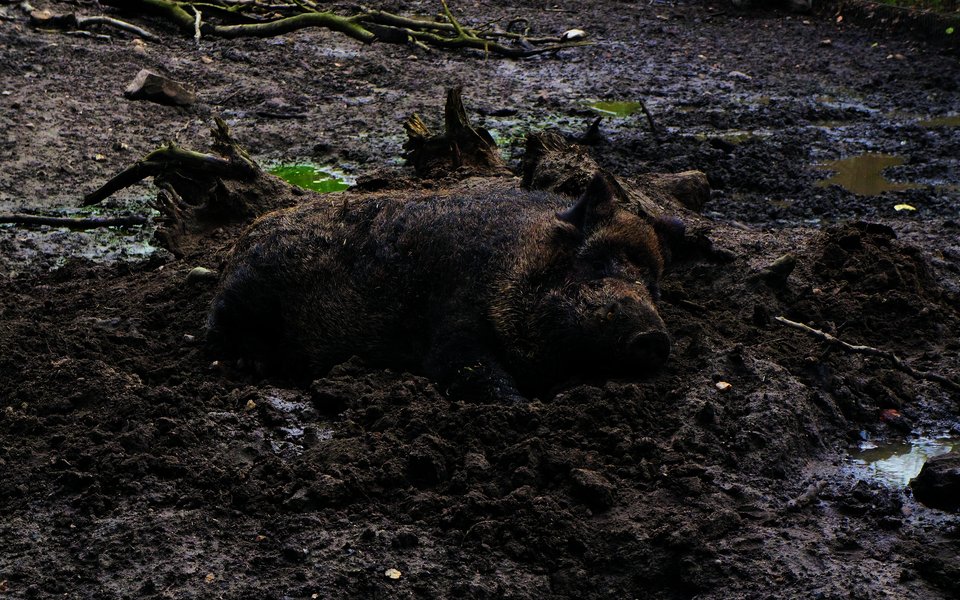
point(134, 465)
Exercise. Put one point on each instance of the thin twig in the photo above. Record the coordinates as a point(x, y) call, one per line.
point(74, 223)
point(653, 126)
point(196, 25)
point(871, 351)
point(83, 22)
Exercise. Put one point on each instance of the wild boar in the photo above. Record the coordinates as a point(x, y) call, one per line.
point(486, 293)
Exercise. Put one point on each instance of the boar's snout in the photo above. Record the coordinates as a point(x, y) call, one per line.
point(634, 331)
point(650, 349)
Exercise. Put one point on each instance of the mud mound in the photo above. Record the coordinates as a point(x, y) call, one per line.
point(116, 418)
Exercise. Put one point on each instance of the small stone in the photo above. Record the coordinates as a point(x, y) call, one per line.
point(724, 386)
point(199, 274)
point(592, 489)
point(147, 85)
point(938, 484)
point(573, 34)
point(189, 339)
point(778, 271)
point(392, 573)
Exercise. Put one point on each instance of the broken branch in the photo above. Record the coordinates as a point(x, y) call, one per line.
point(165, 157)
point(266, 20)
point(871, 351)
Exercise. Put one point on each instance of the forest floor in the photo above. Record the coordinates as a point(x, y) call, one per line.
point(130, 466)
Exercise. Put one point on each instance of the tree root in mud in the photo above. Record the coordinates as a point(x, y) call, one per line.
point(461, 147)
point(80, 223)
point(253, 18)
point(200, 191)
point(897, 362)
point(74, 23)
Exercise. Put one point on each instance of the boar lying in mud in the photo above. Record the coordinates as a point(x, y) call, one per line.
point(486, 293)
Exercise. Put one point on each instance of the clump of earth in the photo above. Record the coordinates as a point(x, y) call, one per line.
point(137, 465)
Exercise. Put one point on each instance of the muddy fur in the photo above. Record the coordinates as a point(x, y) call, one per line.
point(487, 288)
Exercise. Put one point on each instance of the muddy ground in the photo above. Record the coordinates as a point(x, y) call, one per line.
point(131, 466)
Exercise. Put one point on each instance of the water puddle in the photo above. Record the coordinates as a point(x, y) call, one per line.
point(863, 174)
point(48, 248)
point(896, 463)
point(948, 121)
point(296, 422)
point(733, 136)
point(311, 177)
point(616, 108)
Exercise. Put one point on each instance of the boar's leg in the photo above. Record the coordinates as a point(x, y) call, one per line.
point(460, 360)
point(469, 372)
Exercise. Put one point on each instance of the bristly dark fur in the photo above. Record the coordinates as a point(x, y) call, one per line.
point(481, 291)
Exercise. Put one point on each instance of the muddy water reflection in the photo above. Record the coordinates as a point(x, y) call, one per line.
point(951, 121)
point(896, 463)
point(311, 177)
point(863, 174)
point(617, 108)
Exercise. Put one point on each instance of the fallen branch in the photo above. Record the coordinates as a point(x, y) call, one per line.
point(653, 126)
point(162, 159)
point(71, 23)
point(74, 223)
point(871, 351)
point(257, 19)
point(233, 162)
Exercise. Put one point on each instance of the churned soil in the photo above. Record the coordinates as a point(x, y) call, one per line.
point(133, 464)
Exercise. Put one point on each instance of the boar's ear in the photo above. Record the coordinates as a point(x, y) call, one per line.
point(670, 232)
point(596, 204)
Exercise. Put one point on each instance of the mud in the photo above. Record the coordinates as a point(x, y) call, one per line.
point(134, 466)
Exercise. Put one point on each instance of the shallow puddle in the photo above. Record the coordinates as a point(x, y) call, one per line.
point(863, 174)
point(311, 177)
point(617, 108)
point(949, 121)
point(896, 463)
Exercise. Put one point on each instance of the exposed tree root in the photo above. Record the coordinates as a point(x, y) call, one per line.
point(200, 191)
point(78, 223)
point(72, 22)
point(233, 19)
point(871, 351)
point(461, 147)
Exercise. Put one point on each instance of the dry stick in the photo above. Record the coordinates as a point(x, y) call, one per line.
point(653, 126)
point(418, 31)
point(84, 22)
point(196, 25)
point(74, 223)
point(871, 351)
